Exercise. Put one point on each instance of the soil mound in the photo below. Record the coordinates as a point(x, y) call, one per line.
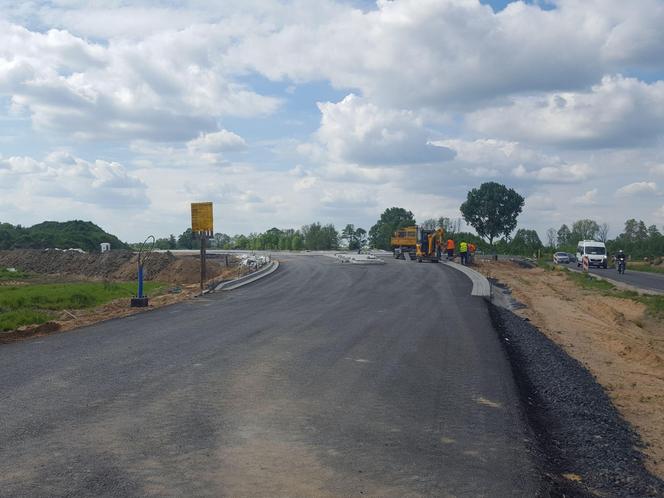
point(111, 265)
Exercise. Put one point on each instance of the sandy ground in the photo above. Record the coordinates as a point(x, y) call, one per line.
point(614, 338)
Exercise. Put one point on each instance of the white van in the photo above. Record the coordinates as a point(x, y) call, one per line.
point(596, 252)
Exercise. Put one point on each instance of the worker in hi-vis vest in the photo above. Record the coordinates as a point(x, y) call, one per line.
point(463, 252)
point(450, 249)
point(472, 248)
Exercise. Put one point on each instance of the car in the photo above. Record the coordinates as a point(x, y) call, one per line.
point(560, 258)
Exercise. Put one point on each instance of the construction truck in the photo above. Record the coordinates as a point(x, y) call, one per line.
point(429, 245)
point(404, 242)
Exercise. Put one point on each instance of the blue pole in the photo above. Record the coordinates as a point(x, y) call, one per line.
point(140, 281)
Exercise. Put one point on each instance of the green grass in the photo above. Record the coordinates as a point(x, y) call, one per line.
point(33, 304)
point(647, 267)
point(589, 283)
point(12, 275)
point(654, 303)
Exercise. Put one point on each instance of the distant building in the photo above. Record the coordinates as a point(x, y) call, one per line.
point(105, 246)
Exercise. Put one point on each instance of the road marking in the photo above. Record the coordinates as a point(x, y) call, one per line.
point(488, 402)
point(359, 360)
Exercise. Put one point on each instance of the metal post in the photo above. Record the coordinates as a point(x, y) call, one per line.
point(140, 281)
point(203, 238)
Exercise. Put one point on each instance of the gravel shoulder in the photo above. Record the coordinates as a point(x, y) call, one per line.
point(593, 365)
point(591, 450)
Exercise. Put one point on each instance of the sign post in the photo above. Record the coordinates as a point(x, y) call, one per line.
point(202, 228)
point(586, 264)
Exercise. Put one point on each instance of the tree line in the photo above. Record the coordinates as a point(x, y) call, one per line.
point(315, 237)
point(53, 234)
point(637, 239)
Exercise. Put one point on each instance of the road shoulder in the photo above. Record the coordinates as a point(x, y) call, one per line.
point(589, 446)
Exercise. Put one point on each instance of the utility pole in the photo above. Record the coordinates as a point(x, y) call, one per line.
point(203, 269)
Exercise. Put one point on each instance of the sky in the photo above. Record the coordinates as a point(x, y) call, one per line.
point(285, 112)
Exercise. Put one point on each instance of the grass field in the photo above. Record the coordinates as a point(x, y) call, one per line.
point(33, 304)
point(12, 275)
point(642, 266)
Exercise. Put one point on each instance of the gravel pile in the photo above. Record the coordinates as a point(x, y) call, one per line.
point(579, 430)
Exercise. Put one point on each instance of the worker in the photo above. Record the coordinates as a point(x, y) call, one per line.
point(471, 252)
point(463, 252)
point(450, 249)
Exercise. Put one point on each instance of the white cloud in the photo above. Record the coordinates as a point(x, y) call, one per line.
point(637, 188)
point(124, 89)
point(539, 202)
point(488, 158)
point(305, 183)
point(72, 180)
point(458, 52)
point(356, 131)
point(587, 199)
point(219, 141)
point(617, 112)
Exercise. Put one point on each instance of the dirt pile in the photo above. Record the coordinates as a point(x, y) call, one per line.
point(112, 265)
point(613, 337)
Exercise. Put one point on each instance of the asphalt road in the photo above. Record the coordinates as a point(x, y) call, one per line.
point(321, 380)
point(640, 279)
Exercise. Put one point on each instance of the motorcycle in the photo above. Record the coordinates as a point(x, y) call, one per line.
point(621, 266)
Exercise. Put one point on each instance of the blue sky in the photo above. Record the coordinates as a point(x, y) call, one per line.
point(288, 112)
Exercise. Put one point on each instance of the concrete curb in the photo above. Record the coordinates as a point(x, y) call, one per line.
point(247, 279)
point(481, 286)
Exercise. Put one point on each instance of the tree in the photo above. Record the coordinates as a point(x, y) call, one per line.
point(162, 243)
point(348, 234)
point(429, 224)
point(551, 237)
point(584, 230)
point(296, 242)
point(361, 238)
point(526, 242)
point(641, 231)
point(603, 233)
point(391, 220)
point(186, 240)
point(319, 237)
point(221, 240)
point(492, 210)
point(629, 234)
point(653, 232)
point(564, 236)
point(172, 242)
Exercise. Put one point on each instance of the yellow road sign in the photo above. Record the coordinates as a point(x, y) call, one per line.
point(201, 217)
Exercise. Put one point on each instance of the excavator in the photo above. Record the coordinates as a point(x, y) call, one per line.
point(418, 243)
point(429, 245)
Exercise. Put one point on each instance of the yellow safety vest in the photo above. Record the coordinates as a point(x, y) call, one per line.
point(463, 247)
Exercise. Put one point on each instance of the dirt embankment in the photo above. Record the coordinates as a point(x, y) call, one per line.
point(112, 265)
point(614, 338)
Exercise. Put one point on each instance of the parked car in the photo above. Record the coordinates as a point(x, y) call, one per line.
point(560, 258)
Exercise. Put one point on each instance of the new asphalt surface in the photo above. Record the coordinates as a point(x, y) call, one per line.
point(322, 379)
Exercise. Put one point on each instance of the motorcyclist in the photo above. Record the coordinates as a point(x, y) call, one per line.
point(621, 258)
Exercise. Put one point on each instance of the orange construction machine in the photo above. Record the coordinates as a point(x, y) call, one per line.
point(404, 241)
point(429, 245)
